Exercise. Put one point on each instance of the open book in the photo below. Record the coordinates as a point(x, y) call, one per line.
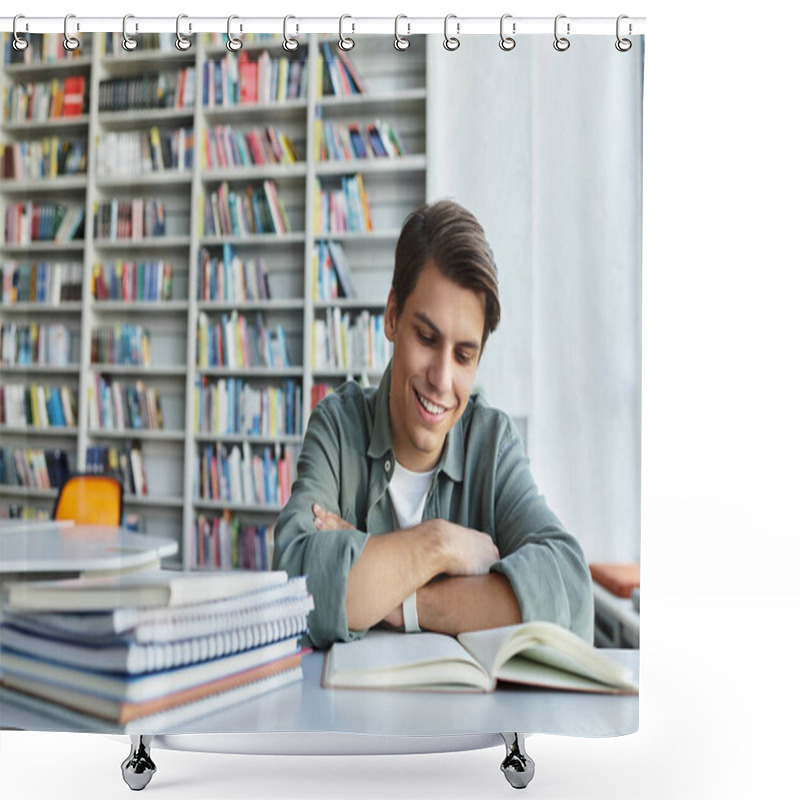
point(533, 653)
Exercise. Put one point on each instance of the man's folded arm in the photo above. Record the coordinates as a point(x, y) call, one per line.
point(356, 579)
point(324, 556)
point(544, 565)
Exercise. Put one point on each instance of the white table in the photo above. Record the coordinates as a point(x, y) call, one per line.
point(305, 719)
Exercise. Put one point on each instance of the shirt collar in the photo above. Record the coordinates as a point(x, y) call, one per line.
point(452, 461)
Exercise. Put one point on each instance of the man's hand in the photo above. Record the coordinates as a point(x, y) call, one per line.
point(470, 552)
point(328, 521)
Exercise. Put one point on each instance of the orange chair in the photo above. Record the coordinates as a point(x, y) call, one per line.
point(90, 500)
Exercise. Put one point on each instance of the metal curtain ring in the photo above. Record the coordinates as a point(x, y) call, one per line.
point(181, 42)
point(345, 42)
point(400, 42)
point(623, 45)
point(451, 42)
point(507, 42)
point(70, 42)
point(234, 43)
point(561, 43)
point(289, 42)
point(128, 43)
point(18, 43)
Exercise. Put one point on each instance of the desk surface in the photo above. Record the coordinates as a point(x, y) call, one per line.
point(56, 547)
point(307, 706)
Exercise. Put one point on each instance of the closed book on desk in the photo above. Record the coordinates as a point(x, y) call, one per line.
point(142, 589)
point(167, 624)
point(159, 721)
point(134, 658)
point(533, 653)
point(121, 710)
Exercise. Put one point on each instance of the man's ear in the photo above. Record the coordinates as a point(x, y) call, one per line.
point(390, 316)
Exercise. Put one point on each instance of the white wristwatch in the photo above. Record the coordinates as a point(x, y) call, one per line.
point(410, 620)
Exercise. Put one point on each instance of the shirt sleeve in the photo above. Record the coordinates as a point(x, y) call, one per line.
point(544, 564)
point(325, 557)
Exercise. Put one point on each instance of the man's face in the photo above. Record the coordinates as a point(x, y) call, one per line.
point(437, 345)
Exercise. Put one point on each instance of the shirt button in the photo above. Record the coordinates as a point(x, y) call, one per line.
point(388, 465)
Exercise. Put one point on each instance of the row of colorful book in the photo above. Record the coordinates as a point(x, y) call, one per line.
point(336, 142)
point(48, 157)
point(251, 209)
point(342, 210)
point(33, 468)
point(331, 274)
point(122, 343)
point(110, 43)
point(37, 343)
point(41, 101)
point(174, 89)
point(31, 221)
point(226, 147)
point(320, 391)
point(146, 652)
point(344, 341)
point(24, 511)
point(45, 282)
point(237, 79)
point(238, 475)
point(125, 463)
point(116, 406)
point(137, 281)
point(235, 341)
point(230, 406)
point(339, 76)
point(37, 406)
point(43, 48)
point(138, 218)
point(231, 278)
point(144, 152)
point(225, 542)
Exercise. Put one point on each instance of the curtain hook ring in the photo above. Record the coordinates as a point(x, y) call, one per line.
point(181, 42)
point(507, 42)
point(234, 43)
point(623, 45)
point(289, 42)
point(128, 42)
point(451, 42)
point(400, 42)
point(346, 42)
point(18, 43)
point(561, 43)
point(70, 42)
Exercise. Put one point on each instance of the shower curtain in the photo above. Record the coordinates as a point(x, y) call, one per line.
point(542, 144)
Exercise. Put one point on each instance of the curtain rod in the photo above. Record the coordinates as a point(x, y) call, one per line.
point(350, 25)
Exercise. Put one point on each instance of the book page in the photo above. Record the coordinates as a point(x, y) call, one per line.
point(385, 658)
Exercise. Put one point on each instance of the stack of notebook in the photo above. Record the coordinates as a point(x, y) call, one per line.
point(149, 651)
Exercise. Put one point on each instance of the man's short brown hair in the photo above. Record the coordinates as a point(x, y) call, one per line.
point(453, 238)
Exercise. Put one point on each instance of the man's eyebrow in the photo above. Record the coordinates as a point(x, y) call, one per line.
point(422, 317)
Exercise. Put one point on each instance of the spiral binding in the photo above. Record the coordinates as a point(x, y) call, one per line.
point(452, 31)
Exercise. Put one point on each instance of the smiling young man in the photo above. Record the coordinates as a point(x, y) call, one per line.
point(414, 504)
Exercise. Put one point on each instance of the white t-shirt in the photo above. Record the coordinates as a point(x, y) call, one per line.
point(408, 492)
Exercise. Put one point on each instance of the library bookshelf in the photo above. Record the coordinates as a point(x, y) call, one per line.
point(147, 353)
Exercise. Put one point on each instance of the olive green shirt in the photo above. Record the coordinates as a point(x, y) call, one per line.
point(483, 481)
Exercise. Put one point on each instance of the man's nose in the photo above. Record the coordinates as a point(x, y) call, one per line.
point(439, 371)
